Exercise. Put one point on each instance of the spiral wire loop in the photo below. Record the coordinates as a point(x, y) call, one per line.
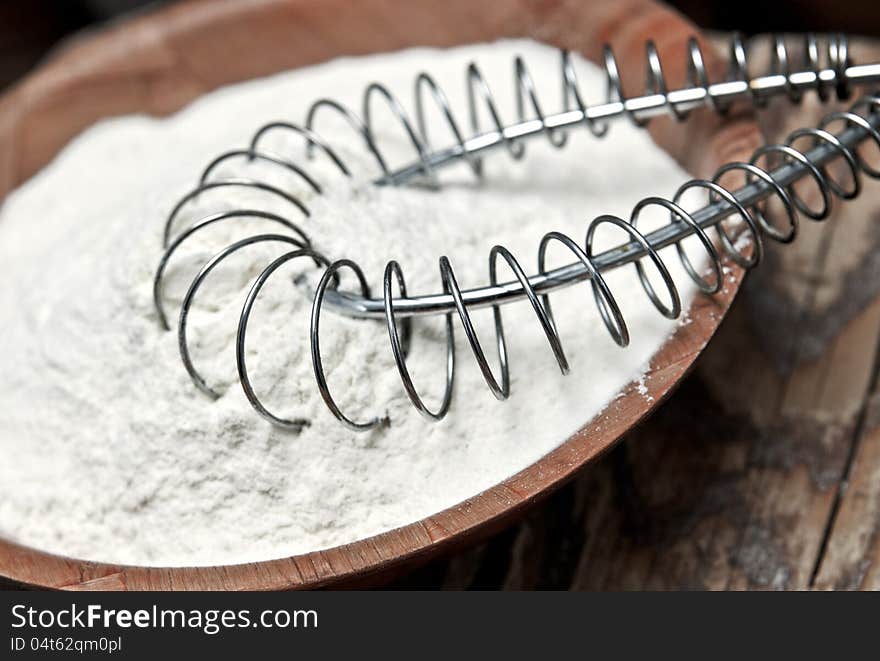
point(771, 172)
point(530, 107)
point(400, 347)
point(315, 342)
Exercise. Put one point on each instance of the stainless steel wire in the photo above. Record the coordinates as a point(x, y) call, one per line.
point(743, 203)
point(772, 171)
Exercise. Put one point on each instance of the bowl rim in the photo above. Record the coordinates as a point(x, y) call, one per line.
point(361, 563)
point(62, 94)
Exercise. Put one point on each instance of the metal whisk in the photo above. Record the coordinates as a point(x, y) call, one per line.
point(832, 72)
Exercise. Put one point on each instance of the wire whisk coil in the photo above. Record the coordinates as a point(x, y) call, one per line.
point(531, 117)
point(666, 301)
point(772, 171)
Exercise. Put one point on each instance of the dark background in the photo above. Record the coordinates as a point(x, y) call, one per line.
point(29, 28)
point(757, 538)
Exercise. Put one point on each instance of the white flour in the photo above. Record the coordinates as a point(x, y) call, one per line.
point(109, 453)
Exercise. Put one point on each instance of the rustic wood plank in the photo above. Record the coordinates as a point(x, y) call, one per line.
point(763, 470)
point(852, 555)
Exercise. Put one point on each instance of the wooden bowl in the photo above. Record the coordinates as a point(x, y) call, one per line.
point(159, 62)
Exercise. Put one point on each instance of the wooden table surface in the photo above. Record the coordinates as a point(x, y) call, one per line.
point(763, 470)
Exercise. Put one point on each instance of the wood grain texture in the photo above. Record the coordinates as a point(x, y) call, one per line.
point(159, 62)
point(762, 471)
point(375, 559)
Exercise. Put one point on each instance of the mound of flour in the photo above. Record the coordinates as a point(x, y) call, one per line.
point(109, 452)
